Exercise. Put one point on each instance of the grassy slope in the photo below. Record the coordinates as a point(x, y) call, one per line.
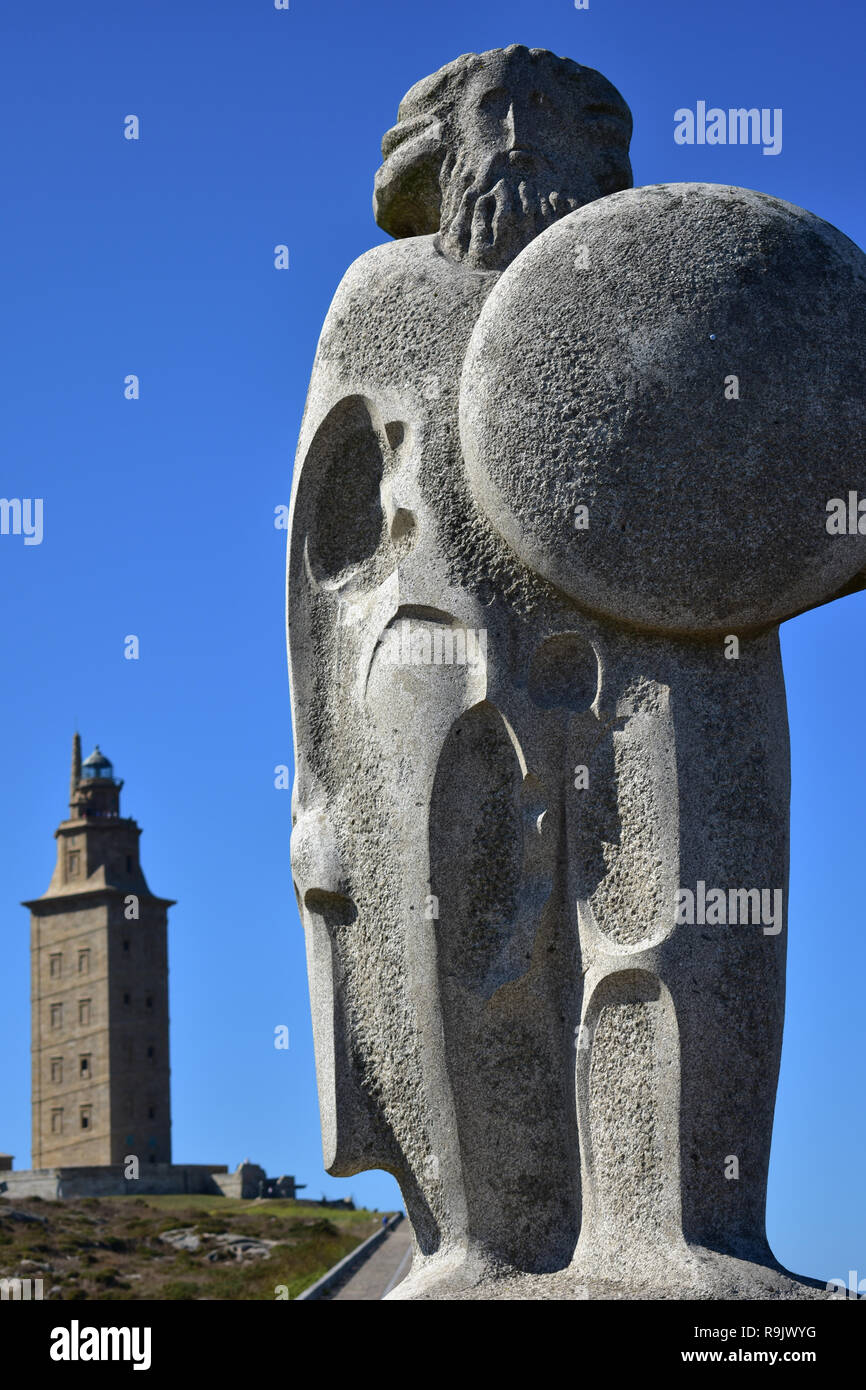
point(109, 1248)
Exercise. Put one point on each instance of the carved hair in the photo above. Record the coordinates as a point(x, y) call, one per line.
point(408, 194)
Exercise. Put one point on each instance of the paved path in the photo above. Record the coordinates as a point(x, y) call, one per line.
point(389, 1263)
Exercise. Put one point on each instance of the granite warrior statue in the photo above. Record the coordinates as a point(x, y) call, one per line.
point(517, 430)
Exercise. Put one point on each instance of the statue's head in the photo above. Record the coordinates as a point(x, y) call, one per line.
point(495, 147)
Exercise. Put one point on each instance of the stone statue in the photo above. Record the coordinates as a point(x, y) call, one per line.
point(566, 463)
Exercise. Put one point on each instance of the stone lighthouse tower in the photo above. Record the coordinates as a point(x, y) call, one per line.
point(99, 989)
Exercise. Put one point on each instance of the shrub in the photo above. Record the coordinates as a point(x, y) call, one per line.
point(179, 1289)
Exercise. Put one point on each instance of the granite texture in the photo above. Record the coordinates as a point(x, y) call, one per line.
point(596, 377)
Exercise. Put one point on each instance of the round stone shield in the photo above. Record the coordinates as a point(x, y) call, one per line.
point(663, 406)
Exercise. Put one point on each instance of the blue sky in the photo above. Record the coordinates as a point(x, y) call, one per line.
point(155, 257)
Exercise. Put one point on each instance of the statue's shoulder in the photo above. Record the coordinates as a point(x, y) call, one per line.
point(374, 297)
point(405, 287)
point(401, 312)
point(396, 266)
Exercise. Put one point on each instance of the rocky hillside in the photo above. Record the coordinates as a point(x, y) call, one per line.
point(192, 1247)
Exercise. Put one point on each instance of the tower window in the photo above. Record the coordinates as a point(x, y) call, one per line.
point(130, 863)
point(55, 965)
point(130, 1109)
point(56, 1015)
point(84, 1068)
point(86, 1114)
point(73, 863)
point(57, 1070)
point(151, 1112)
point(151, 1053)
point(149, 1001)
point(84, 1011)
point(127, 998)
point(84, 962)
point(126, 945)
point(57, 1122)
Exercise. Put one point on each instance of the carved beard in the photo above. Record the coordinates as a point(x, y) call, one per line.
point(487, 220)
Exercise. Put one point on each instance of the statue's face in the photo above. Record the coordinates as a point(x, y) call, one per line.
point(529, 145)
point(527, 118)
